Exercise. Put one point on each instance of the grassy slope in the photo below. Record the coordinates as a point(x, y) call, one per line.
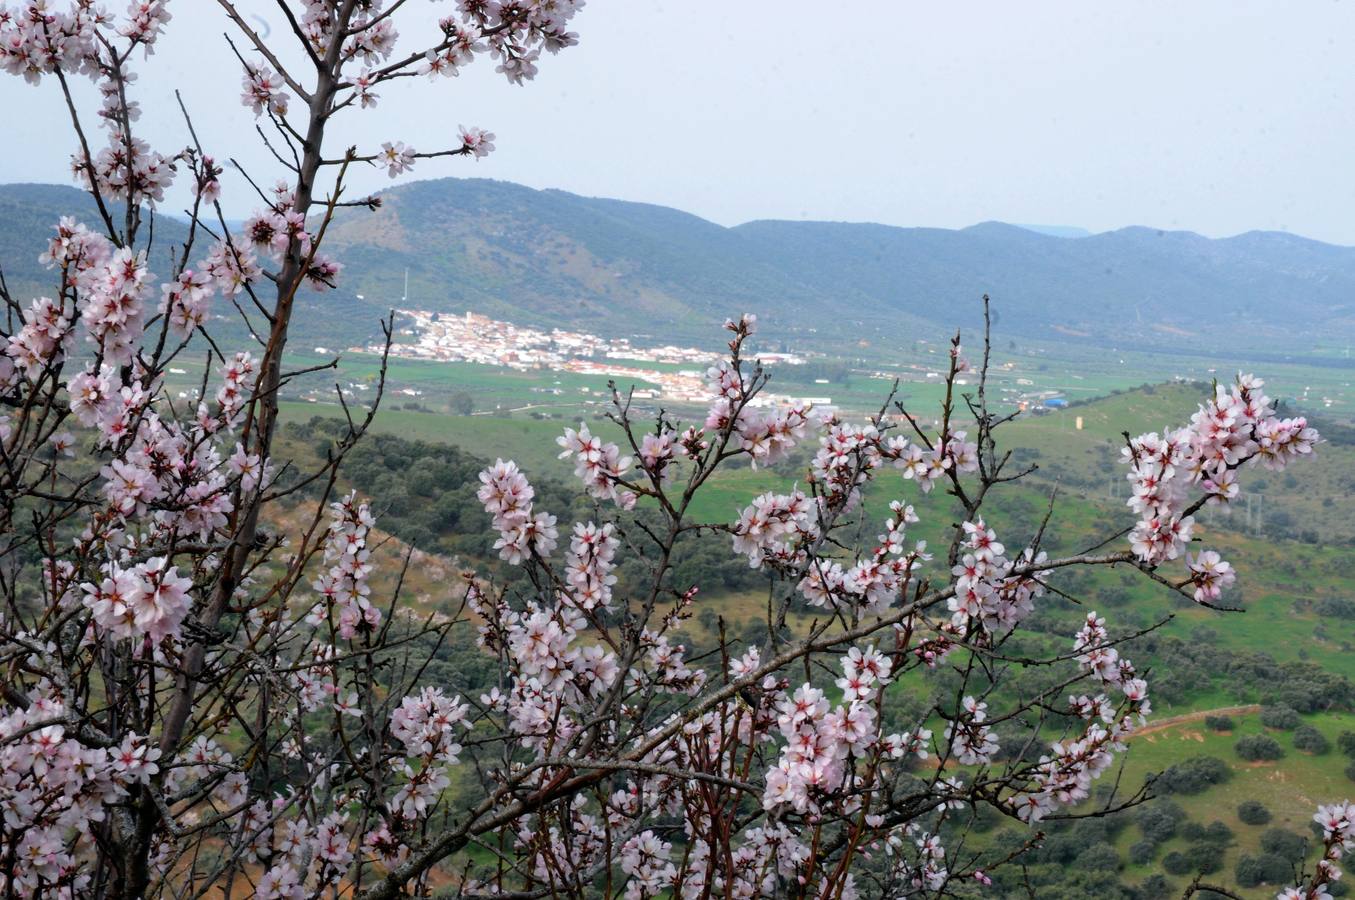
point(1290, 788)
point(1280, 579)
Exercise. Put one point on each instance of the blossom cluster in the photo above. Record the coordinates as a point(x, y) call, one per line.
point(987, 593)
point(821, 740)
point(151, 599)
point(1238, 426)
point(279, 232)
point(874, 583)
point(1063, 777)
point(507, 497)
point(600, 465)
point(343, 587)
point(589, 565)
point(426, 725)
point(929, 464)
point(1337, 822)
point(37, 40)
point(55, 789)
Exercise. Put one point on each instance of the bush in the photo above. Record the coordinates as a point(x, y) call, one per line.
point(1152, 887)
point(1259, 747)
point(1287, 845)
point(1310, 740)
point(1267, 868)
point(1253, 812)
point(1191, 831)
point(1218, 833)
point(1176, 863)
point(1214, 833)
point(1335, 608)
point(1204, 858)
point(1098, 858)
point(462, 403)
point(1142, 852)
point(1282, 717)
point(1346, 741)
point(1218, 723)
point(1192, 776)
point(1158, 821)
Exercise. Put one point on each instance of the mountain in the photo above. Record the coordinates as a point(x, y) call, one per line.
point(1135, 286)
point(555, 258)
point(548, 257)
point(1064, 231)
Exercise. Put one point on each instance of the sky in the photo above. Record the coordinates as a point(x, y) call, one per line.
point(1216, 116)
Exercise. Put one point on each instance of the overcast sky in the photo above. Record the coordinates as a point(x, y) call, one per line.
point(1218, 116)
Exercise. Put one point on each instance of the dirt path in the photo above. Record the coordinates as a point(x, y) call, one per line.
point(1160, 724)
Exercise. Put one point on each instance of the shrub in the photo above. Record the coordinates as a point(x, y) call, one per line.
point(1099, 858)
point(1214, 833)
point(1285, 844)
point(1218, 723)
point(1218, 833)
point(1176, 863)
point(1266, 868)
point(1282, 717)
point(1193, 775)
point(1142, 852)
point(1258, 747)
point(1335, 608)
point(1346, 741)
point(1204, 858)
point(1152, 887)
point(1158, 822)
point(1253, 812)
point(1310, 740)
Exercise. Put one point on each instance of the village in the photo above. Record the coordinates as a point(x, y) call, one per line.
point(677, 373)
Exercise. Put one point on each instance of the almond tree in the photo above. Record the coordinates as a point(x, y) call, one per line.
point(196, 699)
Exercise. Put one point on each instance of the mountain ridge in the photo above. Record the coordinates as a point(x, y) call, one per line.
point(548, 257)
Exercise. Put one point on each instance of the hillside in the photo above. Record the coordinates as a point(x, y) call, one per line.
point(551, 257)
point(558, 259)
point(1216, 679)
point(1135, 287)
point(554, 258)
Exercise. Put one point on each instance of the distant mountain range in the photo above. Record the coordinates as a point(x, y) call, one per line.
point(555, 258)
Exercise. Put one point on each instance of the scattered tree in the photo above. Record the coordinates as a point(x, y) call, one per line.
point(1258, 747)
point(1310, 740)
point(1282, 717)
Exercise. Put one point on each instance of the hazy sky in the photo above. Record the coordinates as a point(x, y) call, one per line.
point(1218, 116)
